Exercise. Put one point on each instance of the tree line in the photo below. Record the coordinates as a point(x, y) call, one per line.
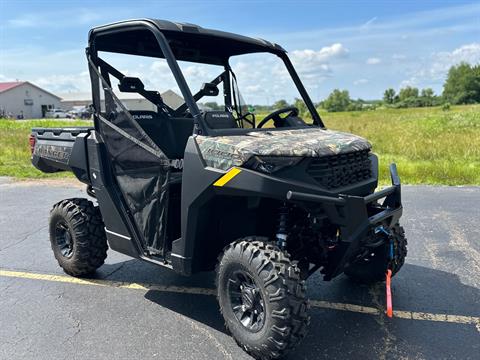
point(462, 86)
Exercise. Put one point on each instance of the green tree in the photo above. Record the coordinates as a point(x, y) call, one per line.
point(213, 105)
point(300, 105)
point(427, 93)
point(338, 100)
point(389, 96)
point(427, 97)
point(280, 104)
point(408, 93)
point(408, 97)
point(463, 84)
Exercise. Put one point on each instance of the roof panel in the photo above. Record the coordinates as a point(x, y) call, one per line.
point(189, 42)
point(4, 86)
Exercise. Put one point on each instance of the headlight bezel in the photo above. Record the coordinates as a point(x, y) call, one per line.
point(271, 164)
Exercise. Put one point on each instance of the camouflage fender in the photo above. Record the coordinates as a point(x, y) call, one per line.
point(223, 152)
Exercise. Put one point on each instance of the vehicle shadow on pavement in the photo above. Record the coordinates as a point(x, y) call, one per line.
point(334, 334)
point(201, 308)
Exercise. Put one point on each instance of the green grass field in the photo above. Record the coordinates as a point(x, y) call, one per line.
point(430, 146)
point(15, 150)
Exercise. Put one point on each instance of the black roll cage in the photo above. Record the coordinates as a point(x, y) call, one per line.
point(166, 50)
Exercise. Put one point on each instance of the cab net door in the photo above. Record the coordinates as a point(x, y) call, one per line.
point(141, 170)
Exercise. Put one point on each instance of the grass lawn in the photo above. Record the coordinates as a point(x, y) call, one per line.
point(15, 150)
point(430, 146)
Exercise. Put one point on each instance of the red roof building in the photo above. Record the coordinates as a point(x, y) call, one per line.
point(22, 99)
point(10, 85)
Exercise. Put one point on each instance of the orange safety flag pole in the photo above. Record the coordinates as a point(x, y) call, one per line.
point(389, 294)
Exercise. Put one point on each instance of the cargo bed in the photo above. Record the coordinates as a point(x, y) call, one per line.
point(60, 149)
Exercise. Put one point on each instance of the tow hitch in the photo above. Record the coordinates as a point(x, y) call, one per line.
point(389, 293)
point(388, 279)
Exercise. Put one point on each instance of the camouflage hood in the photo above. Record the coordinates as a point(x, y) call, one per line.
point(223, 152)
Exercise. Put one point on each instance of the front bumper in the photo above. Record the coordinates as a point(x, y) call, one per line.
point(356, 215)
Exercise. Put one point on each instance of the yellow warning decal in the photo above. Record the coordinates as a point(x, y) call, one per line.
point(227, 177)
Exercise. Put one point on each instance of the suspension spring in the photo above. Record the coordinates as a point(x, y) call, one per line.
point(282, 230)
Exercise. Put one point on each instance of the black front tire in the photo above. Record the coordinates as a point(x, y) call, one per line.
point(373, 269)
point(280, 290)
point(77, 236)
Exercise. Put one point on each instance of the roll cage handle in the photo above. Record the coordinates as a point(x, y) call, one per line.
point(180, 110)
point(153, 96)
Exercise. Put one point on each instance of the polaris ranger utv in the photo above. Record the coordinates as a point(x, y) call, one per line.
point(265, 203)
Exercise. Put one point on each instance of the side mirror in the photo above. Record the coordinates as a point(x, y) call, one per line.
point(130, 84)
point(209, 89)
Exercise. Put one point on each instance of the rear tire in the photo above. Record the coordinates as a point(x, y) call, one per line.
point(373, 269)
point(272, 297)
point(77, 236)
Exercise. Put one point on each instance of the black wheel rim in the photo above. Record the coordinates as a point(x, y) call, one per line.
point(246, 300)
point(64, 239)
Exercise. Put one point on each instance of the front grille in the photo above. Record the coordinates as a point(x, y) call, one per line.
point(337, 171)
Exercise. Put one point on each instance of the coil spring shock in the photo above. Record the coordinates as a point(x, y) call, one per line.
point(282, 230)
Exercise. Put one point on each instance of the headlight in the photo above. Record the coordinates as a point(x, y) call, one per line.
point(271, 164)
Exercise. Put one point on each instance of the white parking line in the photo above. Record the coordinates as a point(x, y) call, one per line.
point(410, 315)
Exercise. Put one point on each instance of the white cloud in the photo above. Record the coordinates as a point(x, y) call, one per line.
point(369, 22)
point(157, 75)
point(159, 66)
point(399, 57)
point(316, 65)
point(469, 53)
point(4, 78)
point(373, 61)
point(360, 82)
point(23, 21)
point(323, 55)
point(263, 78)
point(412, 82)
point(253, 88)
point(195, 71)
point(64, 83)
point(434, 69)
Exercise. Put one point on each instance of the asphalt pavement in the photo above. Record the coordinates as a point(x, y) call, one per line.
point(136, 310)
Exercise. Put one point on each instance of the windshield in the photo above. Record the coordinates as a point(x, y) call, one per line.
point(265, 84)
point(253, 85)
point(249, 87)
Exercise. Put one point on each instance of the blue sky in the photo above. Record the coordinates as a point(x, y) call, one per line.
point(362, 46)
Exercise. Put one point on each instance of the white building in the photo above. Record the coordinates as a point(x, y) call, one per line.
point(172, 99)
point(24, 99)
point(132, 101)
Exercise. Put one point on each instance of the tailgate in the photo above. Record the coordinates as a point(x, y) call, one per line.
point(52, 147)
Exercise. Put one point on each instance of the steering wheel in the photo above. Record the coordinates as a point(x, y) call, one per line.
point(275, 116)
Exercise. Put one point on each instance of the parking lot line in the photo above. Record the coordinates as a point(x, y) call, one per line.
point(402, 314)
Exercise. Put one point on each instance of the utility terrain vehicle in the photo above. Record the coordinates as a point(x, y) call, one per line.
point(197, 190)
